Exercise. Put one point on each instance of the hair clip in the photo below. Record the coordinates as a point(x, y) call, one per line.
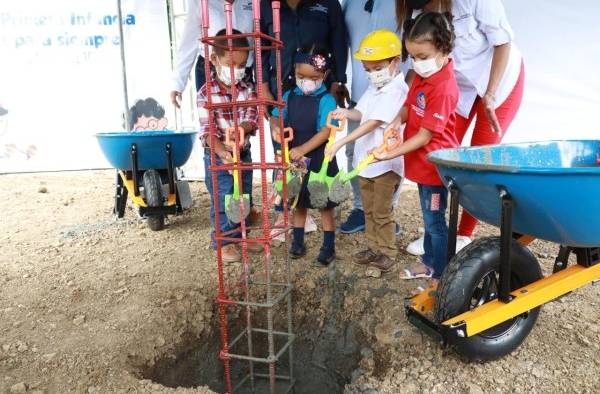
point(319, 62)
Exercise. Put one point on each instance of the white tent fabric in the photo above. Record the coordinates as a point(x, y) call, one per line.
point(558, 40)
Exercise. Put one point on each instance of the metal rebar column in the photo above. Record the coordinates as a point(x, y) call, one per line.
point(252, 347)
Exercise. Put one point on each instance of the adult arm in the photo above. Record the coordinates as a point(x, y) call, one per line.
point(187, 51)
point(265, 20)
point(338, 42)
point(491, 20)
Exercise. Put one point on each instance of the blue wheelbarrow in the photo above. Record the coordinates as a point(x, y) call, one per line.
point(145, 161)
point(490, 294)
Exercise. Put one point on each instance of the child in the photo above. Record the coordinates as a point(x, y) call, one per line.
point(247, 118)
point(429, 116)
point(380, 53)
point(306, 110)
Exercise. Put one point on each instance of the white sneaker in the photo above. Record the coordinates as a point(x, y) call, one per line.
point(461, 242)
point(417, 247)
point(310, 225)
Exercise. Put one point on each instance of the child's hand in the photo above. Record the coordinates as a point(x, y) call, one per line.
point(340, 113)
point(331, 151)
point(380, 154)
point(296, 154)
point(275, 133)
point(225, 156)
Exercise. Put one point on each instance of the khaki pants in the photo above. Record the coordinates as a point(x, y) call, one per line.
point(380, 229)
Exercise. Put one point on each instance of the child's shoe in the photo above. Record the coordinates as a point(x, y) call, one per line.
point(324, 258)
point(365, 257)
point(297, 251)
point(230, 254)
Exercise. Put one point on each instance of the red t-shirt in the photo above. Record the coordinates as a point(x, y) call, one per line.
point(431, 103)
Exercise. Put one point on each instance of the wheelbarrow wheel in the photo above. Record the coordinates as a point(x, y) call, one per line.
point(154, 198)
point(471, 279)
point(120, 197)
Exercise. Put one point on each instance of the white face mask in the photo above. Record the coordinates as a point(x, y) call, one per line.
point(224, 74)
point(380, 78)
point(309, 86)
point(426, 68)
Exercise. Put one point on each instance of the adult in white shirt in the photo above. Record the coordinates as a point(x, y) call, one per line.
point(191, 47)
point(363, 17)
point(489, 72)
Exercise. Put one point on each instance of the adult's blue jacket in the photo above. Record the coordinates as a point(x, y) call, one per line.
point(314, 21)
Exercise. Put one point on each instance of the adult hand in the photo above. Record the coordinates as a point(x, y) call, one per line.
point(296, 154)
point(341, 94)
point(489, 103)
point(176, 98)
point(266, 92)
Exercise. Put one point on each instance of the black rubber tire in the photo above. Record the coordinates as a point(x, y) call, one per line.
point(120, 197)
point(154, 198)
point(476, 262)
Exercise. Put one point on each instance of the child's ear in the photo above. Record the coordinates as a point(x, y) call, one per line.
point(213, 59)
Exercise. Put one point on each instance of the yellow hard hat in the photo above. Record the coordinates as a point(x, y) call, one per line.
point(379, 45)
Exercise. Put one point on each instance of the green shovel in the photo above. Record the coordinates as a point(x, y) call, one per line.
point(318, 182)
point(340, 188)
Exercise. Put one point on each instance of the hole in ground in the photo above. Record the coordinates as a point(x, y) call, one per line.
point(325, 360)
point(327, 353)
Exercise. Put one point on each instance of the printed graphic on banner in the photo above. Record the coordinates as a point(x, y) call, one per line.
point(61, 77)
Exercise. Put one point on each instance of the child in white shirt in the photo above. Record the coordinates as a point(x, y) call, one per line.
point(380, 55)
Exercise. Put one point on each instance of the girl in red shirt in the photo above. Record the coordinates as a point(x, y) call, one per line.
point(429, 114)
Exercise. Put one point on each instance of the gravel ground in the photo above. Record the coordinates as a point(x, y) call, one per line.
point(89, 304)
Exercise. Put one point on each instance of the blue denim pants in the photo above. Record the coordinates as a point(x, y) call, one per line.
point(224, 187)
point(434, 200)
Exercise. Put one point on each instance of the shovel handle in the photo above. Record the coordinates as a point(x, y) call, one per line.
point(391, 140)
point(341, 126)
point(288, 135)
point(390, 135)
point(230, 140)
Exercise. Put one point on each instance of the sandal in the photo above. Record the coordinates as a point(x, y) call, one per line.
point(411, 274)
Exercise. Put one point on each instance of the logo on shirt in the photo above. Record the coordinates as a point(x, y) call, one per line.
point(421, 100)
point(438, 116)
point(247, 6)
point(320, 8)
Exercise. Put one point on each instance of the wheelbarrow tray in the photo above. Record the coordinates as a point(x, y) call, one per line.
point(150, 145)
point(554, 185)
